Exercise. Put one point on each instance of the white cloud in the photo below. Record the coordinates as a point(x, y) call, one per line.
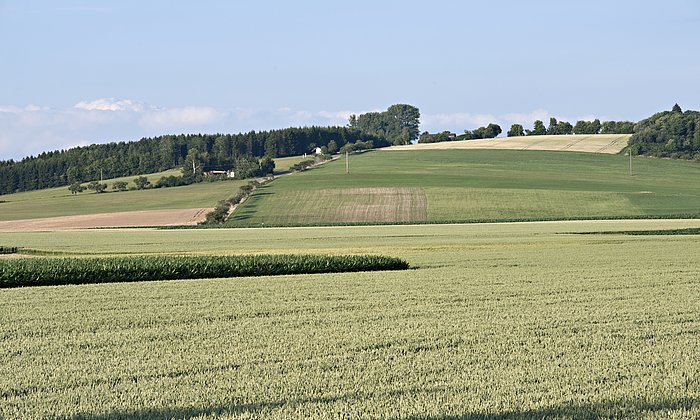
point(33, 129)
point(110, 104)
point(338, 115)
point(8, 109)
point(527, 119)
point(180, 117)
point(456, 120)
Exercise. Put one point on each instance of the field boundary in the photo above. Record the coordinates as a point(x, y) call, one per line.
point(690, 216)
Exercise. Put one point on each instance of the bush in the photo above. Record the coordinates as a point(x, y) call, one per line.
point(120, 185)
point(303, 165)
point(172, 181)
point(219, 214)
point(8, 249)
point(142, 183)
point(58, 271)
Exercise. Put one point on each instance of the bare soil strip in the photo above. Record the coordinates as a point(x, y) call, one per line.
point(600, 143)
point(120, 219)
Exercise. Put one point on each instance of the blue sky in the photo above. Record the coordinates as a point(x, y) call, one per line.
point(79, 72)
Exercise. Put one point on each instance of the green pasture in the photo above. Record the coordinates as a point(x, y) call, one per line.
point(60, 202)
point(474, 185)
point(496, 320)
point(284, 164)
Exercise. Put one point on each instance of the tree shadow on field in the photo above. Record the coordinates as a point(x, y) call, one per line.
point(606, 409)
point(660, 408)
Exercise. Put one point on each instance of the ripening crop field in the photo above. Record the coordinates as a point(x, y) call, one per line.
point(495, 320)
point(478, 185)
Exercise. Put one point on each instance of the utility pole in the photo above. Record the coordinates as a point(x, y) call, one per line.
point(347, 162)
point(100, 174)
point(630, 152)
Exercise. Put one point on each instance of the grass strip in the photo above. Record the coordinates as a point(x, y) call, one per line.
point(58, 271)
point(684, 216)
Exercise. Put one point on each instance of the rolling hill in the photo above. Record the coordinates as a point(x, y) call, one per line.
point(56, 208)
point(475, 185)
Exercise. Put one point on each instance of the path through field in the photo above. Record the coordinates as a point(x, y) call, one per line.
point(119, 219)
point(599, 143)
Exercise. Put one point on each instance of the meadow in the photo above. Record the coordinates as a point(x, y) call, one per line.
point(495, 320)
point(476, 185)
point(59, 201)
point(54, 202)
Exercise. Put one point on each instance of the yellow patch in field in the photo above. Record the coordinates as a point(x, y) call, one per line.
point(593, 143)
point(337, 205)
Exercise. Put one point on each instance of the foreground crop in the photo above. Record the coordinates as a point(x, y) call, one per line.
point(57, 271)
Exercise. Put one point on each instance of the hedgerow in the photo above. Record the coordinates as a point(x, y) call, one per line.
point(57, 271)
point(8, 249)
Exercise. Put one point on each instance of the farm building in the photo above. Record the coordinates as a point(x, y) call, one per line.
point(229, 174)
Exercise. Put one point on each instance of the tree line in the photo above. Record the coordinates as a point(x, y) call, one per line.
point(539, 129)
point(564, 127)
point(674, 134)
point(487, 132)
point(398, 124)
point(155, 154)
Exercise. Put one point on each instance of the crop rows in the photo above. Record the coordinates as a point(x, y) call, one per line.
point(57, 271)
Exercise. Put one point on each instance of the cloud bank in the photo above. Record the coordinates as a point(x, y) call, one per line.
point(32, 129)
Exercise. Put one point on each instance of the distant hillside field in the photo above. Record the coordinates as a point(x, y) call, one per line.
point(592, 143)
point(59, 202)
point(475, 185)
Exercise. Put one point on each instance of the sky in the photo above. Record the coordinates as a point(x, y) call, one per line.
point(76, 72)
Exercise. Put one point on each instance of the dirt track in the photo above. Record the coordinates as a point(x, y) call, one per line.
point(122, 219)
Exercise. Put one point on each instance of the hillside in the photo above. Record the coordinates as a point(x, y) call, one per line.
point(59, 202)
point(594, 143)
point(84, 164)
point(475, 185)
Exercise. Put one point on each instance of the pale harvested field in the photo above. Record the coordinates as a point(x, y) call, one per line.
point(599, 143)
point(378, 204)
point(119, 219)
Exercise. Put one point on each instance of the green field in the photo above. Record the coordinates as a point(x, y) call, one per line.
point(519, 320)
point(60, 202)
point(283, 164)
point(476, 185)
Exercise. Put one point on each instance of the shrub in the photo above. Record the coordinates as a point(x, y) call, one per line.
point(8, 249)
point(219, 214)
point(120, 185)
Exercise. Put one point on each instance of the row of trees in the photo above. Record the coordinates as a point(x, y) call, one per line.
point(581, 127)
point(488, 132)
point(211, 151)
point(398, 124)
point(674, 134)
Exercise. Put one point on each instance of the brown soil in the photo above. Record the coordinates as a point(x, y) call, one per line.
point(121, 219)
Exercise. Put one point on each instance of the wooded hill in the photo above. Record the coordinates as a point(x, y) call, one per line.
point(112, 160)
point(674, 134)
